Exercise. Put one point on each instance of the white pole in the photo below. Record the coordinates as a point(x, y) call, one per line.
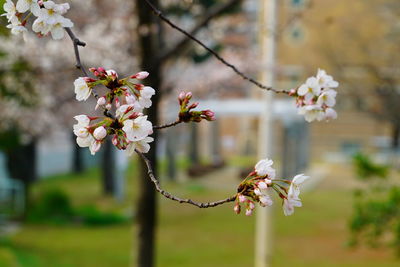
point(267, 22)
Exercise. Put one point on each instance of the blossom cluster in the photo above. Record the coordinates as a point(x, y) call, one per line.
point(317, 97)
point(186, 114)
point(49, 17)
point(256, 187)
point(130, 128)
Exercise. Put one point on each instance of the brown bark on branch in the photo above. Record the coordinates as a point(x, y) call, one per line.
point(167, 125)
point(180, 200)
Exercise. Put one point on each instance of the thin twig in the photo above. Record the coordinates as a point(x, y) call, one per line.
point(76, 43)
point(211, 51)
point(205, 19)
point(167, 125)
point(180, 200)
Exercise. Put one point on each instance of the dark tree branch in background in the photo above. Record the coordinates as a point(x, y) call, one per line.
point(167, 125)
point(180, 200)
point(212, 13)
point(211, 51)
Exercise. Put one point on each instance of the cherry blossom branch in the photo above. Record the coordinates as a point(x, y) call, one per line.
point(167, 125)
point(172, 197)
point(159, 14)
point(214, 12)
point(76, 43)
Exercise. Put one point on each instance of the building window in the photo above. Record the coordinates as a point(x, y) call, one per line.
point(296, 34)
point(297, 3)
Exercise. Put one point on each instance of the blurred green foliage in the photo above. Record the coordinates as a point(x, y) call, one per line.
point(377, 217)
point(367, 169)
point(376, 212)
point(91, 216)
point(54, 207)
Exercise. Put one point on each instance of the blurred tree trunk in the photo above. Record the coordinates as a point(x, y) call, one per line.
point(395, 136)
point(21, 163)
point(77, 156)
point(194, 145)
point(149, 42)
point(108, 168)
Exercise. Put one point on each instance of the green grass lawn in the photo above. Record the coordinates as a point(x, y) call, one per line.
point(315, 235)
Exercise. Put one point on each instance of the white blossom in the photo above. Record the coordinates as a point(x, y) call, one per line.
point(137, 129)
point(142, 146)
point(83, 120)
point(94, 146)
point(312, 112)
point(265, 200)
point(57, 29)
point(310, 89)
point(25, 5)
point(289, 204)
point(330, 114)
point(85, 141)
point(325, 80)
point(327, 98)
point(11, 12)
point(145, 95)
point(52, 12)
point(82, 90)
point(294, 189)
point(263, 168)
point(17, 29)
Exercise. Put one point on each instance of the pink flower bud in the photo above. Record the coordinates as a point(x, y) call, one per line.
point(236, 208)
point(100, 102)
point(251, 205)
point(210, 115)
point(94, 147)
point(100, 69)
point(117, 103)
point(181, 95)
point(189, 95)
point(292, 92)
point(140, 75)
point(112, 73)
point(115, 140)
point(249, 212)
point(89, 80)
point(194, 105)
point(242, 198)
point(100, 133)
